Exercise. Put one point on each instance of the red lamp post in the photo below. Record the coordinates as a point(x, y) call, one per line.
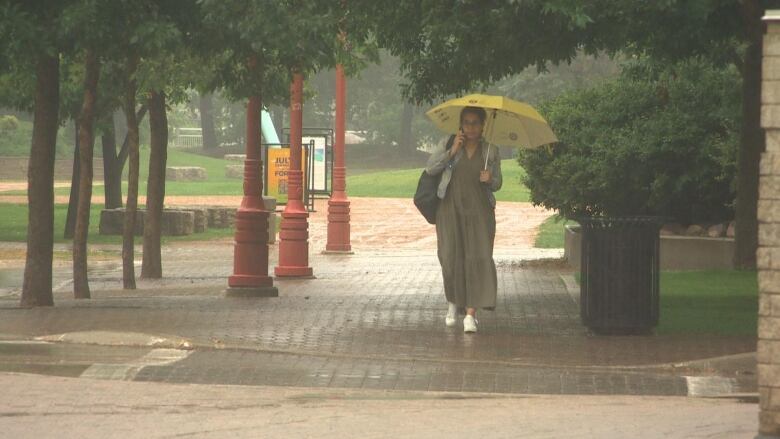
point(338, 204)
point(294, 233)
point(250, 256)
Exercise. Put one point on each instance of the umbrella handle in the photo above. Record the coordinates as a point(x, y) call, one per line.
point(491, 130)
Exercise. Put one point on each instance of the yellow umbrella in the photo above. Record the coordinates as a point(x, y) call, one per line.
point(509, 122)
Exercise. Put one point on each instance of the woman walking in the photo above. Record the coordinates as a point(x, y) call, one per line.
point(465, 220)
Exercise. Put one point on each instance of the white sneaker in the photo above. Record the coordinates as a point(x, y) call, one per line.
point(469, 324)
point(452, 312)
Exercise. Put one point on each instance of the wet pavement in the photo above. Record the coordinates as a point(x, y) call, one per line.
point(374, 320)
point(370, 320)
point(46, 406)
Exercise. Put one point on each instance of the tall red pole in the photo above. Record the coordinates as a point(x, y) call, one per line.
point(250, 255)
point(338, 204)
point(294, 233)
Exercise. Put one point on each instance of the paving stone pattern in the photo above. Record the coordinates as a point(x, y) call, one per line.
point(373, 319)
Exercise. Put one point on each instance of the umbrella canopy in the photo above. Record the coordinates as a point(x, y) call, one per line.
point(509, 122)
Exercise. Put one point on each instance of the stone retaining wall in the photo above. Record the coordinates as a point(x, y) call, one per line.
point(175, 222)
point(677, 252)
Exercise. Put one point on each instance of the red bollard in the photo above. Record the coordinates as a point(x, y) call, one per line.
point(338, 204)
point(250, 255)
point(294, 233)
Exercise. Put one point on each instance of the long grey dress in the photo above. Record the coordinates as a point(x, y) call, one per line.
point(466, 229)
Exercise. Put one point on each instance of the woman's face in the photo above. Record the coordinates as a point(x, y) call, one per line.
point(472, 126)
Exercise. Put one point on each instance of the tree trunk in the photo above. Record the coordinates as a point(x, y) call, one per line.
point(752, 142)
point(131, 207)
point(407, 143)
point(208, 133)
point(37, 284)
point(112, 177)
point(113, 161)
point(73, 200)
point(86, 143)
point(122, 156)
point(151, 267)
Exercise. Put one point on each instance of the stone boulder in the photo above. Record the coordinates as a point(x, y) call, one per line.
point(717, 230)
point(731, 230)
point(220, 217)
point(695, 230)
point(235, 157)
point(234, 171)
point(672, 229)
point(185, 173)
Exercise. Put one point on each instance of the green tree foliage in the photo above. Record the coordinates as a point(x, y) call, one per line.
point(535, 87)
point(280, 36)
point(660, 141)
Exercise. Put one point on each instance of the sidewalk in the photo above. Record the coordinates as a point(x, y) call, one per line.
point(85, 409)
point(371, 322)
point(382, 310)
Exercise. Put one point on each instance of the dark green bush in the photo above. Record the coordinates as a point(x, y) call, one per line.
point(651, 142)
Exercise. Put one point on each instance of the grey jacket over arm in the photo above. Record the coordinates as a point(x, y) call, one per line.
point(440, 163)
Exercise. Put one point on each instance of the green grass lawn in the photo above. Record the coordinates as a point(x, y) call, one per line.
point(383, 184)
point(216, 184)
point(709, 302)
point(13, 228)
point(551, 233)
point(402, 184)
point(719, 302)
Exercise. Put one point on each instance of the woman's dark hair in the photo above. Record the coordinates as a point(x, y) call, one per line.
point(477, 111)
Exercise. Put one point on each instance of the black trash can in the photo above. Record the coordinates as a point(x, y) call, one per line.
point(620, 274)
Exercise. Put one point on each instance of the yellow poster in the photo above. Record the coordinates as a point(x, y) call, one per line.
point(278, 165)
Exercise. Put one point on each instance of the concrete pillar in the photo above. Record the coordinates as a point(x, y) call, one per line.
point(768, 256)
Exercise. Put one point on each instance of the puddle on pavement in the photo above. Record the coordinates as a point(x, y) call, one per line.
point(56, 359)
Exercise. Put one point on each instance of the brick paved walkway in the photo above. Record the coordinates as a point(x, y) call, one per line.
point(375, 320)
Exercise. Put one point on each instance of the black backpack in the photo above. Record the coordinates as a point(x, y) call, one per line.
point(425, 197)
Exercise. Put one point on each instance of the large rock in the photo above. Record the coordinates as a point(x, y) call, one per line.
point(225, 217)
point(235, 157)
point(695, 230)
point(731, 230)
point(672, 229)
point(185, 173)
point(178, 222)
point(221, 217)
point(112, 221)
point(717, 230)
point(234, 171)
point(200, 222)
point(201, 219)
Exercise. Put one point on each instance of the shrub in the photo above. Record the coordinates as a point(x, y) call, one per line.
point(8, 123)
point(651, 142)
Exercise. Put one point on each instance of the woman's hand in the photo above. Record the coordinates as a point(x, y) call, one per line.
point(460, 138)
point(485, 176)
